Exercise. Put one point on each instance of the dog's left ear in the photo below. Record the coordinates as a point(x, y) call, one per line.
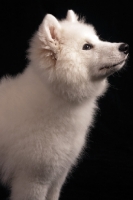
point(71, 16)
point(49, 32)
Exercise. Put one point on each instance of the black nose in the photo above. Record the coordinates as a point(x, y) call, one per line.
point(124, 48)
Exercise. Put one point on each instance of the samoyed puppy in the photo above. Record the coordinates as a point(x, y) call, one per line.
point(46, 112)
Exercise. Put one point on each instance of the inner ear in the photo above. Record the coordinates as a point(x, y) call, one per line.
point(53, 32)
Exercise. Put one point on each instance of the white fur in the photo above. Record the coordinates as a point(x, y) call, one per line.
point(46, 111)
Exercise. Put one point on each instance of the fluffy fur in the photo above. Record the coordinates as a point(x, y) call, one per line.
point(46, 111)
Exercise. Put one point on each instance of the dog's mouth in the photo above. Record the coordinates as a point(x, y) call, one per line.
point(112, 66)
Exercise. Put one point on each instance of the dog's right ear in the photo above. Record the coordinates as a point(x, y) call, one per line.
point(71, 16)
point(49, 32)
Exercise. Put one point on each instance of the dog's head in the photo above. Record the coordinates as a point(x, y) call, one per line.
point(72, 57)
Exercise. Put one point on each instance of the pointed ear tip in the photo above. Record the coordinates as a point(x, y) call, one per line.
point(48, 16)
point(71, 16)
point(70, 11)
point(49, 22)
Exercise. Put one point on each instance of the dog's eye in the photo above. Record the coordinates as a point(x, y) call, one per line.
point(87, 47)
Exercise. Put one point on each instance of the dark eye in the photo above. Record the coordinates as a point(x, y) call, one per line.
point(87, 47)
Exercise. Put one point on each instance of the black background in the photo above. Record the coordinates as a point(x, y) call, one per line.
point(106, 168)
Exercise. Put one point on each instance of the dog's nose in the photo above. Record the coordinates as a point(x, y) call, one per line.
point(124, 48)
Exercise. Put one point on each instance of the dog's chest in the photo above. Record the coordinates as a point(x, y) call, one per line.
point(65, 134)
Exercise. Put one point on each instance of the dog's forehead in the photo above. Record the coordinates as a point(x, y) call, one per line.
point(89, 33)
point(80, 30)
point(90, 37)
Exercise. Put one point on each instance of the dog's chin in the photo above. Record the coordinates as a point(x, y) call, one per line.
point(110, 69)
point(113, 66)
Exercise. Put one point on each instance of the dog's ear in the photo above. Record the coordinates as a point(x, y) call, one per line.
point(71, 16)
point(49, 32)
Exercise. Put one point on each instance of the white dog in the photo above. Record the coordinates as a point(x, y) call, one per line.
point(46, 111)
